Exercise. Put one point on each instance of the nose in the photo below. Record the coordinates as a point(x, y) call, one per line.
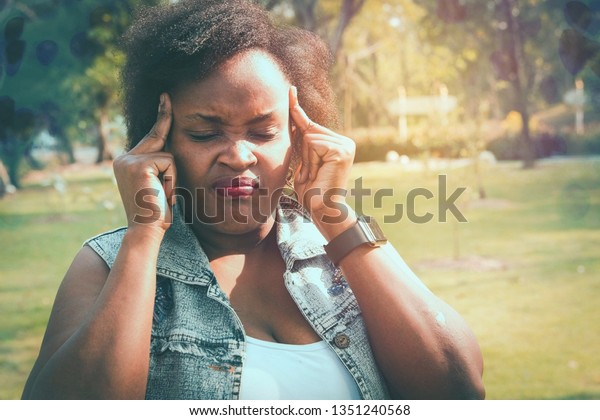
point(238, 155)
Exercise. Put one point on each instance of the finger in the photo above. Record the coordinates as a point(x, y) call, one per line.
point(297, 175)
point(323, 149)
point(298, 115)
point(156, 138)
point(314, 147)
point(314, 165)
point(159, 166)
point(305, 160)
point(333, 141)
point(302, 120)
point(302, 173)
point(169, 178)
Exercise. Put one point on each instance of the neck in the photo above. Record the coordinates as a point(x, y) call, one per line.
point(219, 244)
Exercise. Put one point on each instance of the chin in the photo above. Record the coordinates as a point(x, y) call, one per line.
point(239, 223)
point(234, 228)
point(236, 216)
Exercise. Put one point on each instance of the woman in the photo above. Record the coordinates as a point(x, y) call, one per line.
point(220, 287)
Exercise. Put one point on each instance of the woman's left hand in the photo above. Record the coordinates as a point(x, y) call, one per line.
point(444, 358)
point(327, 157)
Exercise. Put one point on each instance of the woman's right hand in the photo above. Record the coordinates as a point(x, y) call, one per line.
point(97, 344)
point(146, 176)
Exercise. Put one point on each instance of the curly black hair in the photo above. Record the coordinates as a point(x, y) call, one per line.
point(183, 42)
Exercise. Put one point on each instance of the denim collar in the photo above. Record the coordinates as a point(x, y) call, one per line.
point(298, 238)
point(182, 258)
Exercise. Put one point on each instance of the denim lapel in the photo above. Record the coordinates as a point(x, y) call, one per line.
point(181, 257)
point(298, 238)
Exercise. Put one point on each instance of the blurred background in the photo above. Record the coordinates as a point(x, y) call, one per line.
point(501, 96)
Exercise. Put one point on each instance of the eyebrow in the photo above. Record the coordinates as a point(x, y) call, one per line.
point(218, 120)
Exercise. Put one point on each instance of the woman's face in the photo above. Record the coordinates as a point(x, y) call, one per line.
point(230, 138)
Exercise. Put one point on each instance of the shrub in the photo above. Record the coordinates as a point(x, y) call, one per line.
point(450, 141)
point(585, 144)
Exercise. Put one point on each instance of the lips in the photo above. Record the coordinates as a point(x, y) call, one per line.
point(238, 187)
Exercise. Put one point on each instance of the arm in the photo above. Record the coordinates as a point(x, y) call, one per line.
point(98, 337)
point(422, 346)
point(97, 340)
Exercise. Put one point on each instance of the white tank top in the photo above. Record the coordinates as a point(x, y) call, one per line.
point(275, 371)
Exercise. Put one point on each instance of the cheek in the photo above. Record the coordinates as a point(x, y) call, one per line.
point(190, 163)
point(280, 157)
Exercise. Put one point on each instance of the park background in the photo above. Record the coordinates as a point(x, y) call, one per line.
point(502, 96)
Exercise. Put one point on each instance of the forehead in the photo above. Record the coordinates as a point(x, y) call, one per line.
point(249, 83)
point(257, 64)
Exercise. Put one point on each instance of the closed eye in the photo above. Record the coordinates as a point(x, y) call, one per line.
point(204, 137)
point(263, 135)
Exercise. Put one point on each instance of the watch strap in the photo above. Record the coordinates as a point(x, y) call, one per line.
point(365, 231)
point(345, 242)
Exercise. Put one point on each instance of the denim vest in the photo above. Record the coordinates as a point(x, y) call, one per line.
point(197, 345)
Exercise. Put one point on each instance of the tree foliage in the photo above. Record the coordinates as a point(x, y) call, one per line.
point(505, 50)
point(59, 62)
point(329, 18)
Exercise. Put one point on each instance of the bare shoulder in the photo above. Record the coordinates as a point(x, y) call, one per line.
point(77, 293)
point(74, 300)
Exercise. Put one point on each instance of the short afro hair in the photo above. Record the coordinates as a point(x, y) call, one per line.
point(183, 42)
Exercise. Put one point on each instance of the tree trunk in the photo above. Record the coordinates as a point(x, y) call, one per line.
point(517, 83)
point(103, 150)
point(3, 179)
point(32, 161)
point(527, 146)
point(349, 9)
point(14, 162)
point(65, 146)
point(270, 4)
point(14, 150)
point(305, 13)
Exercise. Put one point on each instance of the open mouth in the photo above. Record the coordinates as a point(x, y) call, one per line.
point(238, 187)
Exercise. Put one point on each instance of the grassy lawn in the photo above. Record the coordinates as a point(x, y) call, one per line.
point(523, 270)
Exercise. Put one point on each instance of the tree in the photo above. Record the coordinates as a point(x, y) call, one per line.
point(40, 49)
point(96, 87)
point(16, 127)
point(59, 62)
point(3, 179)
point(579, 46)
point(328, 18)
point(514, 35)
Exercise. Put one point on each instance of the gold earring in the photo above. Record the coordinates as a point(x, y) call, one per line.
point(289, 184)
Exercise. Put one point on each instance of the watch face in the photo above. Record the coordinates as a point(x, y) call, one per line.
point(372, 230)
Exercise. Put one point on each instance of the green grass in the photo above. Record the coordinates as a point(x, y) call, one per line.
point(537, 317)
point(40, 232)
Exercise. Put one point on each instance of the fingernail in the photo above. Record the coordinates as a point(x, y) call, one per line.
point(162, 100)
point(295, 92)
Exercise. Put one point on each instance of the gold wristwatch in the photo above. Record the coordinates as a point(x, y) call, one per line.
point(365, 231)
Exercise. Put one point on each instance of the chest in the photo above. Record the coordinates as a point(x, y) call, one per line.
point(199, 347)
point(257, 293)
